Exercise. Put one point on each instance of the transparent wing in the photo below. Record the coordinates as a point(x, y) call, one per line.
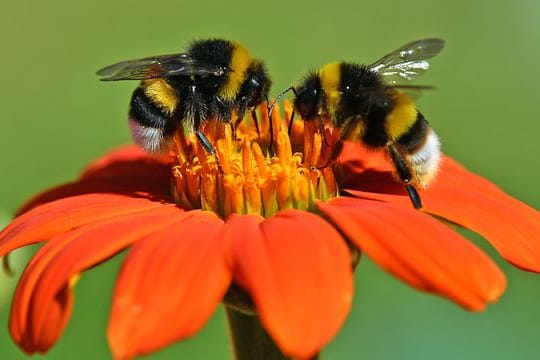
point(412, 91)
point(408, 62)
point(159, 66)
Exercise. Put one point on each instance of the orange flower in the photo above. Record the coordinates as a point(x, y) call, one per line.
point(282, 228)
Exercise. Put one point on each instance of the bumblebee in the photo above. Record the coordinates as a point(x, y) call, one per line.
point(212, 80)
point(366, 104)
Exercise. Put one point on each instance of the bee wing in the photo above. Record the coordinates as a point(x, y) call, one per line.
point(408, 62)
point(159, 66)
point(412, 91)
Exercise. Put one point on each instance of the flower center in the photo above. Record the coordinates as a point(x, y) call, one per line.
point(253, 175)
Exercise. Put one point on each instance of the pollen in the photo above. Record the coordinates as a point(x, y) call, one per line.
point(257, 169)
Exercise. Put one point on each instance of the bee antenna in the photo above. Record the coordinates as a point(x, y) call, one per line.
point(412, 87)
point(280, 95)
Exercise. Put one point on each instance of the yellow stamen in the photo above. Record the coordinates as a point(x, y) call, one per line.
point(251, 174)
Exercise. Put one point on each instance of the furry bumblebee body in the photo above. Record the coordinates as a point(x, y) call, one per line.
point(366, 107)
point(211, 81)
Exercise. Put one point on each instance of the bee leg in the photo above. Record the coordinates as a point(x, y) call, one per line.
point(254, 118)
point(346, 130)
point(205, 143)
point(240, 117)
point(270, 124)
point(322, 132)
point(271, 132)
point(289, 130)
point(336, 151)
point(255, 121)
point(208, 147)
point(235, 125)
point(405, 175)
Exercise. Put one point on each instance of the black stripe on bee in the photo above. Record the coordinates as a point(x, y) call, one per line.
point(416, 135)
point(146, 113)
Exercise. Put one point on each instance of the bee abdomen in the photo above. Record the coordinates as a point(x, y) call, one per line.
point(149, 124)
point(422, 150)
point(415, 137)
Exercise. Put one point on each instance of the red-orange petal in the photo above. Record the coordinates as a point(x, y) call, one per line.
point(297, 269)
point(127, 170)
point(19, 324)
point(356, 157)
point(118, 162)
point(42, 303)
point(58, 217)
point(471, 201)
point(170, 284)
point(419, 249)
point(143, 188)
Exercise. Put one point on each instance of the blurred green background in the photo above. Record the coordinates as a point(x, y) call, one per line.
point(55, 117)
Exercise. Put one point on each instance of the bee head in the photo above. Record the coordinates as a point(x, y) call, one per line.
point(309, 97)
point(258, 84)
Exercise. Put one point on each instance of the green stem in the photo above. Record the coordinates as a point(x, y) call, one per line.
point(250, 340)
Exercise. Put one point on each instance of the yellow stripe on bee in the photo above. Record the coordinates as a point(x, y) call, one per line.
point(161, 94)
point(240, 61)
point(330, 76)
point(402, 116)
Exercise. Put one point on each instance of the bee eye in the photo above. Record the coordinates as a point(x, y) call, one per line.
point(347, 88)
